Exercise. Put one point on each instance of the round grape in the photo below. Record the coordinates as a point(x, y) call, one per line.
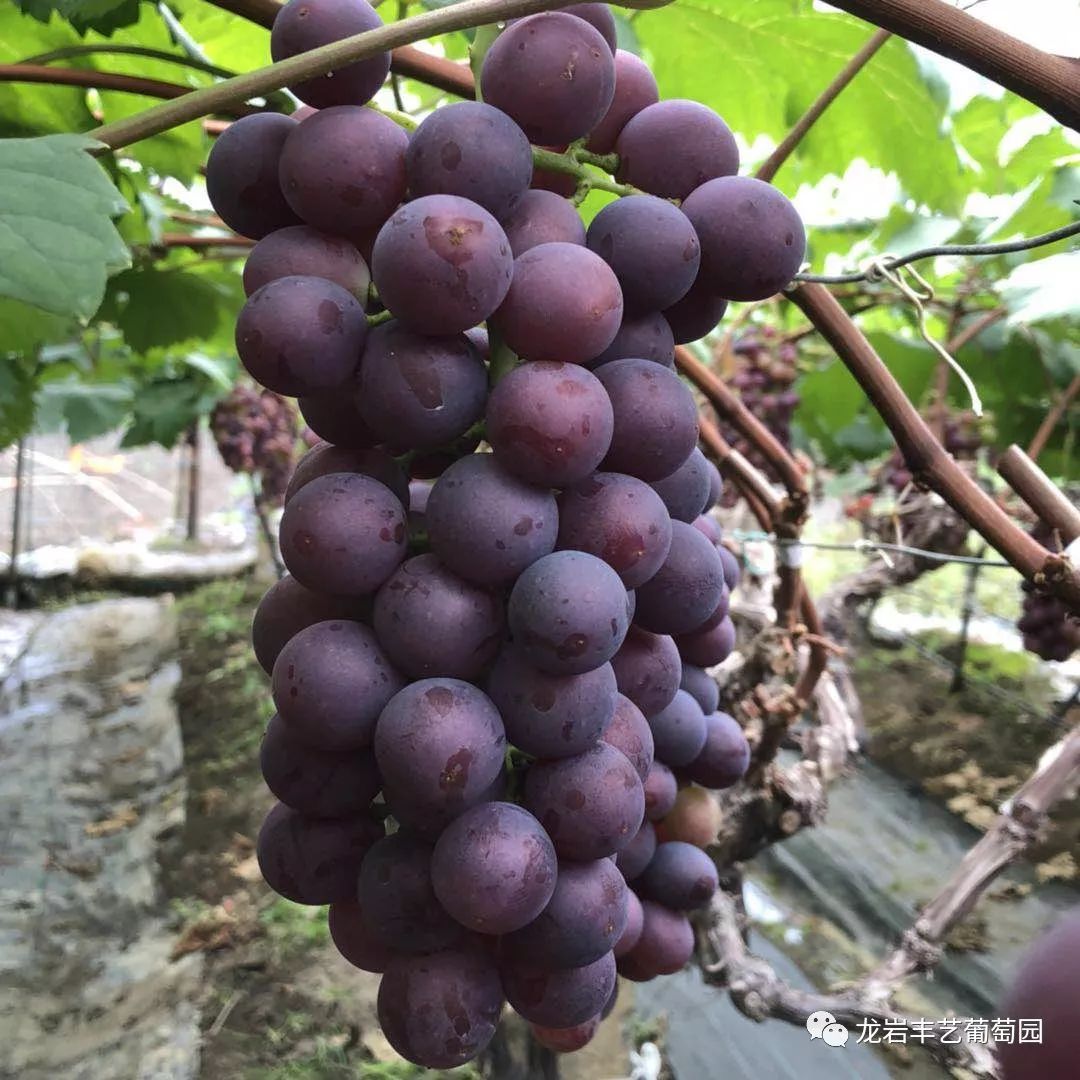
point(671, 148)
point(432, 622)
point(648, 670)
point(494, 868)
point(441, 264)
point(661, 788)
point(652, 248)
point(591, 805)
point(618, 519)
point(301, 335)
point(242, 175)
point(633, 858)
point(355, 939)
point(686, 490)
point(564, 304)
point(551, 716)
point(666, 942)
point(301, 25)
point(487, 525)
point(724, 756)
point(343, 533)
point(335, 417)
point(324, 459)
point(559, 998)
point(566, 1040)
point(640, 337)
point(702, 687)
point(685, 591)
point(568, 613)
point(709, 647)
point(330, 683)
point(678, 731)
point(473, 150)
point(304, 251)
point(635, 89)
point(656, 423)
point(549, 423)
point(542, 217)
point(752, 238)
point(629, 732)
point(696, 314)
point(632, 931)
point(525, 74)
point(680, 876)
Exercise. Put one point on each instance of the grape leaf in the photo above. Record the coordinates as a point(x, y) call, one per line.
point(105, 16)
point(18, 381)
point(58, 243)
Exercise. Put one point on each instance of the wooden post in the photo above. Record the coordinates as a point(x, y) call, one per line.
point(193, 483)
point(16, 524)
point(965, 621)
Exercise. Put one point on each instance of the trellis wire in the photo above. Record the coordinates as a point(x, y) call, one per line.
point(1006, 248)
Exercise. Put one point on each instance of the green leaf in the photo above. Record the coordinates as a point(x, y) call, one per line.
point(24, 328)
point(761, 64)
point(105, 16)
point(87, 410)
point(226, 39)
point(157, 308)
point(1046, 289)
point(58, 244)
point(163, 409)
point(18, 380)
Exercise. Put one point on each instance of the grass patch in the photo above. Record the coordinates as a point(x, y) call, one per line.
point(294, 928)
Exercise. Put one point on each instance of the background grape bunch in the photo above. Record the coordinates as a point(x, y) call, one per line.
point(255, 432)
point(765, 370)
point(1047, 629)
point(495, 732)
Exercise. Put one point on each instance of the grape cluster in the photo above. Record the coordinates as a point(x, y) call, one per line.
point(1048, 629)
point(502, 591)
point(765, 371)
point(961, 435)
point(255, 432)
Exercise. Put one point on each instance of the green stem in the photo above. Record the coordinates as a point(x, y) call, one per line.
point(312, 64)
point(70, 51)
point(381, 317)
point(570, 163)
point(403, 120)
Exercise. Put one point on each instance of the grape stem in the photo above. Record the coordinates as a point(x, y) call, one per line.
point(308, 65)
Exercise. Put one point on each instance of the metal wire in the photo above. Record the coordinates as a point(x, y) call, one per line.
point(1006, 248)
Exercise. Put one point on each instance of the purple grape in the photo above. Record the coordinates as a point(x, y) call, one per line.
point(542, 217)
point(697, 313)
point(752, 238)
point(324, 459)
point(318, 783)
point(582, 921)
point(242, 175)
point(710, 530)
point(301, 335)
point(666, 942)
point(286, 609)
point(302, 25)
point(355, 939)
point(599, 17)
point(591, 805)
point(564, 304)
point(551, 716)
point(568, 613)
point(678, 731)
point(432, 622)
point(732, 567)
point(629, 732)
point(549, 423)
point(707, 648)
point(635, 921)
point(671, 148)
point(566, 1040)
point(686, 490)
point(684, 592)
point(439, 1011)
point(640, 337)
point(716, 487)
point(652, 248)
point(343, 533)
point(648, 669)
point(525, 75)
point(472, 150)
point(618, 519)
point(635, 89)
point(702, 687)
point(335, 417)
point(494, 868)
point(304, 251)
point(313, 860)
point(485, 524)
point(439, 744)
point(680, 876)
point(441, 264)
point(330, 683)
point(661, 790)
point(724, 757)
point(633, 858)
point(343, 170)
point(562, 998)
point(398, 901)
point(656, 423)
point(720, 613)
point(419, 392)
